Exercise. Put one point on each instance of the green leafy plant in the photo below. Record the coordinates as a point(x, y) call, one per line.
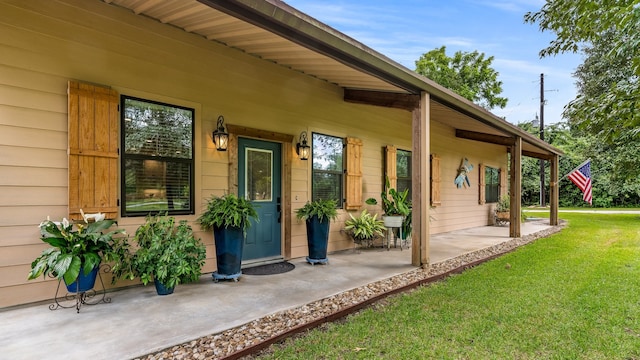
point(228, 210)
point(503, 204)
point(394, 203)
point(324, 209)
point(80, 249)
point(168, 252)
point(365, 227)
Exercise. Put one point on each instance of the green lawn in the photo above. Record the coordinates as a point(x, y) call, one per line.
point(574, 295)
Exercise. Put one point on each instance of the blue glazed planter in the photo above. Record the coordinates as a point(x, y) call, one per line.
point(161, 289)
point(317, 238)
point(229, 244)
point(84, 282)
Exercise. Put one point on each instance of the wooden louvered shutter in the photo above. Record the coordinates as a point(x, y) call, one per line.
point(354, 174)
point(435, 180)
point(482, 189)
point(390, 170)
point(504, 185)
point(93, 150)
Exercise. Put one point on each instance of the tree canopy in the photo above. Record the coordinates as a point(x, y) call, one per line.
point(469, 74)
point(608, 33)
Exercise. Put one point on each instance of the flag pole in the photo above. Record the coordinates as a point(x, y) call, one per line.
point(577, 167)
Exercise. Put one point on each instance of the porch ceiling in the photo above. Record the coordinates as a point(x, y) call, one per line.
point(195, 17)
point(276, 32)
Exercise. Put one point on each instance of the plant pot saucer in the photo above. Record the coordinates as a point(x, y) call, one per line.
point(317, 261)
point(217, 277)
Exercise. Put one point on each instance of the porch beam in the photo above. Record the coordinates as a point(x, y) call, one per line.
point(554, 196)
point(487, 138)
point(536, 155)
point(515, 204)
point(381, 98)
point(420, 191)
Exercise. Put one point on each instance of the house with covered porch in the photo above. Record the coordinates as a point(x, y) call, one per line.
point(111, 106)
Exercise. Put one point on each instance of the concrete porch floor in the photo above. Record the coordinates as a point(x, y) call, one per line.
point(139, 322)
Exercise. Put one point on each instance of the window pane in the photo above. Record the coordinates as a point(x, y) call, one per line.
point(492, 184)
point(327, 186)
point(259, 168)
point(157, 162)
point(403, 164)
point(152, 185)
point(327, 152)
point(403, 171)
point(404, 185)
point(157, 130)
point(327, 168)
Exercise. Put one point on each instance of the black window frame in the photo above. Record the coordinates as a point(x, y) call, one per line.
point(339, 173)
point(491, 189)
point(190, 162)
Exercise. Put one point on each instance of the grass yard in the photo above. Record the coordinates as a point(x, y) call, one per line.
point(574, 295)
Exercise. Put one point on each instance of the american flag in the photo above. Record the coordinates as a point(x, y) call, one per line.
point(581, 176)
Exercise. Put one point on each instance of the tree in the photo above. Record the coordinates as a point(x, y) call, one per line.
point(468, 74)
point(608, 32)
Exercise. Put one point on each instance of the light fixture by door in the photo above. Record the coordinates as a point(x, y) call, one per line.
point(302, 148)
point(221, 137)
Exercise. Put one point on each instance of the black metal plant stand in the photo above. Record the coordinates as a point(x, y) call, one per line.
point(89, 297)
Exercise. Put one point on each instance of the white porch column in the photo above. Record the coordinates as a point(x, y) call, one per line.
point(421, 183)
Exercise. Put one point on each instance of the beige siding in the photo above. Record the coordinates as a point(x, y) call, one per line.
point(460, 208)
point(46, 43)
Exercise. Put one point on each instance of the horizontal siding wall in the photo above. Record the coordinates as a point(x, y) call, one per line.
point(460, 208)
point(45, 43)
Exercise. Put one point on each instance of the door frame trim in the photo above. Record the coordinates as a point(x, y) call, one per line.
point(287, 148)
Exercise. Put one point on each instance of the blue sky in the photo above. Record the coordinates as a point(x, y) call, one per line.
point(405, 29)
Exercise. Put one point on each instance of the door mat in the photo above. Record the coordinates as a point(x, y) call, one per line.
point(269, 269)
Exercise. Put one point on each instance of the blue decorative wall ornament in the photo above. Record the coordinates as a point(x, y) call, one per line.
point(463, 174)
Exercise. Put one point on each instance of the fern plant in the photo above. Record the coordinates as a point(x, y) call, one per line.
point(228, 211)
point(168, 252)
point(324, 209)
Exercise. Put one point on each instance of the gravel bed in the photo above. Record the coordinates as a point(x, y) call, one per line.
point(222, 344)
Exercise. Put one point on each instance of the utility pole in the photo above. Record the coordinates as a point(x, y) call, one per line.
point(542, 200)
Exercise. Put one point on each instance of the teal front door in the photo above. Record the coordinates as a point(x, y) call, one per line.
point(259, 165)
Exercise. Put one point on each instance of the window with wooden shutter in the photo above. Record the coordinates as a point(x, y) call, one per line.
point(93, 150)
point(390, 153)
point(504, 184)
point(482, 199)
point(354, 174)
point(435, 180)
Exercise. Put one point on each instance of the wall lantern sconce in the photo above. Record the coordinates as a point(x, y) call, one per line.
point(302, 148)
point(221, 137)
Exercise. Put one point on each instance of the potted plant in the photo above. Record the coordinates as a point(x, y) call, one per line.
point(229, 216)
point(395, 205)
point(364, 228)
point(168, 253)
point(502, 209)
point(317, 215)
point(77, 250)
